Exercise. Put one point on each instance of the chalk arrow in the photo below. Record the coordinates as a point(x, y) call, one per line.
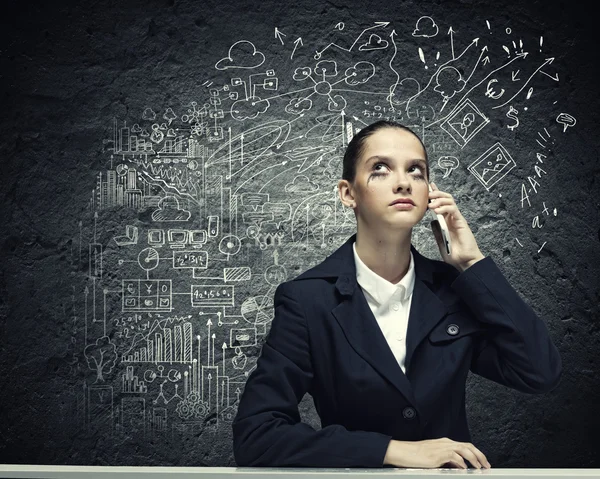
point(279, 35)
point(450, 32)
point(297, 42)
point(555, 77)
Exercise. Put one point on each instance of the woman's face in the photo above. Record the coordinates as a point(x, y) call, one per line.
point(392, 166)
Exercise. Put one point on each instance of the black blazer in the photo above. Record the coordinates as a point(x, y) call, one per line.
point(324, 340)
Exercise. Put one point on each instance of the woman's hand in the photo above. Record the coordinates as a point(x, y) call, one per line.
point(433, 453)
point(464, 251)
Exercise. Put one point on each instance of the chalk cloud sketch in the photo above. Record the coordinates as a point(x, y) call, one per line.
point(148, 114)
point(169, 210)
point(297, 106)
point(326, 68)
point(242, 54)
point(449, 82)
point(248, 109)
point(360, 73)
point(425, 27)
point(301, 184)
point(375, 42)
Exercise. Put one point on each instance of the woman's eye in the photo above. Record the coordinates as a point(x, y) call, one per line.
point(418, 168)
point(378, 166)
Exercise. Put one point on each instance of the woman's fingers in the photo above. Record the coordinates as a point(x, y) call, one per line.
point(443, 205)
point(443, 209)
point(446, 452)
point(468, 454)
point(458, 461)
point(439, 194)
point(473, 455)
point(441, 202)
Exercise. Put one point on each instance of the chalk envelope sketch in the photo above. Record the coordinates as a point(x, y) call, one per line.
point(492, 166)
point(465, 123)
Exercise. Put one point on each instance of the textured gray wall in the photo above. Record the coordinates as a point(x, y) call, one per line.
point(130, 127)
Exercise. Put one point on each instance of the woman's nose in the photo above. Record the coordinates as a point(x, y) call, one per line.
point(402, 183)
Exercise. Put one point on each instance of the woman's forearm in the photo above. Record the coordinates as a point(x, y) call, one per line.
point(395, 454)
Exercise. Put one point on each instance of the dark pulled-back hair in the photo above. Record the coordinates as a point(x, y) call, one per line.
point(357, 145)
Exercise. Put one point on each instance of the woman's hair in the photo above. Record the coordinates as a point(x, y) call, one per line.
point(357, 144)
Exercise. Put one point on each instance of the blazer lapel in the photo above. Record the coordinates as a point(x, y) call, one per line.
point(426, 310)
point(364, 335)
point(360, 326)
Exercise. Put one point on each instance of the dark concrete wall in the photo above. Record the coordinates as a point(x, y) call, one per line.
point(81, 198)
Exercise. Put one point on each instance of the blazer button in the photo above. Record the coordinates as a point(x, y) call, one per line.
point(452, 329)
point(409, 413)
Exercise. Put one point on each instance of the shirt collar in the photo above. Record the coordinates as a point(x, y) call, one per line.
point(380, 289)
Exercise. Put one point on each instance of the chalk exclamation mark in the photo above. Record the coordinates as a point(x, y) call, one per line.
point(422, 56)
point(488, 25)
point(541, 43)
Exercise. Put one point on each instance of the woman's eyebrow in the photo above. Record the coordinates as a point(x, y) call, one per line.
point(387, 158)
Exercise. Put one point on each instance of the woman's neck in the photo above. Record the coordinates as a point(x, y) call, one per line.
point(387, 254)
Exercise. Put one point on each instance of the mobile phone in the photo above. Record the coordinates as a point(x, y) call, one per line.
point(443, 227)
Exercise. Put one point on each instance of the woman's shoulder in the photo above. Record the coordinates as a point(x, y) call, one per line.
point(308, 281)
point(318, 279)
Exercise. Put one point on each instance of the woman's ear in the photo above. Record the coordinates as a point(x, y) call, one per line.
point(345, 193)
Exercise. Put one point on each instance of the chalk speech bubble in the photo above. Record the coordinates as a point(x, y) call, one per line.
point(448, 164)
point(257, 217)
point(254, 199)
point(281, 212)
point(566, 120)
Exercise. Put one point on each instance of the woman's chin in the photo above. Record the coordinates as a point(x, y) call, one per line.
point(404, 221)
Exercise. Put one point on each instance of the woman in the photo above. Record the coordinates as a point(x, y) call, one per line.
point(383, 338)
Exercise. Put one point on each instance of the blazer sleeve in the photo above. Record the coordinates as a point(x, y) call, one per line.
point(515, 349)
point(267, 431)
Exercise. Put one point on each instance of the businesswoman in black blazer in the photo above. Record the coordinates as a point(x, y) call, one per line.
point(383, 338)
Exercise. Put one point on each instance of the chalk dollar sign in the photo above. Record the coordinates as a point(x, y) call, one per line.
point(512, 114)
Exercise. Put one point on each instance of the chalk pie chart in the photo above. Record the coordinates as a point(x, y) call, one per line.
point(257, 309)
point(148, 259)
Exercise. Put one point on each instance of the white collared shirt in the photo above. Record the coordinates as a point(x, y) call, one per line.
point(390, 303)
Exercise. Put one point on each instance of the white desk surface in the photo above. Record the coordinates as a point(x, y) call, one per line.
point(135, 472)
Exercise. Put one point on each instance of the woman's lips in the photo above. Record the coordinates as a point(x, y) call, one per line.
point(403, 206)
